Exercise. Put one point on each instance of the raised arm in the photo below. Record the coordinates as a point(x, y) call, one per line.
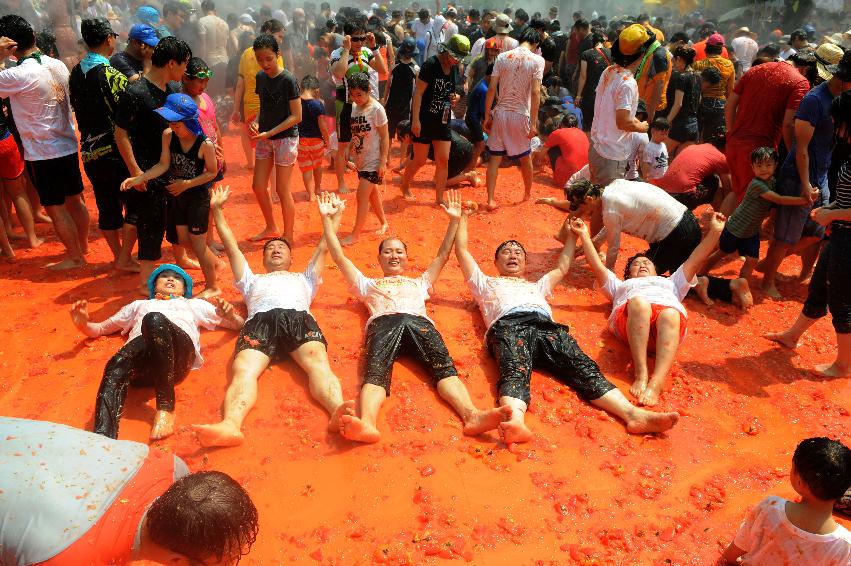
point(237, 260)
point(565, 258)
point(328, 204)
point(701, 253)
point(317, 260)
point(338, 68)
point(454, 212)
point(601, 274)
point(465, 258)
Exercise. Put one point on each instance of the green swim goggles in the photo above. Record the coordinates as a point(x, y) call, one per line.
point(208, 74)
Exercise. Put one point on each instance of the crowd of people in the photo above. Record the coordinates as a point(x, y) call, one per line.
point(637, 121)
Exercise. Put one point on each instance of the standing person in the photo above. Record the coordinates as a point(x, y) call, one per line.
point(313, 136)
point(614, 109)
point(175, 16)
point(511, 110)
point(399, 323)
point(477, 66)
point(431, 111)
point(275, 131)
point(133, 61)
point(400, 89)
point(138, 134)
point(96, 87)
point(37, 89)
point(745, 48)
point(715, 96)
point(279, 325)
point(478, 38)
point(653, 75)
point(806, 168)
point(13, 183)
point(245, 24)
point(213, 35)
point(761, 108)
point(522, 334)
point(592, 63)
point(682, 117)
point(570, 60)
point(357, 55)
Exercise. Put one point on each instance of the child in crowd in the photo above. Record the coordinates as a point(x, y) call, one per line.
point(400, 92)
point(741, 234)
point(369, 146)
point(476, 116)
point(636, 142)
point(190, 160)
point(654, 157)
point(275, 133)
point(777, 531)
point(313, 136)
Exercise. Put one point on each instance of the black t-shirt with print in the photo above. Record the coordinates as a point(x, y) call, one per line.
point(275, 94)
point(127, 64)
point(404, 75)
point(436, 95)
point(136, 114)
point(94, 98)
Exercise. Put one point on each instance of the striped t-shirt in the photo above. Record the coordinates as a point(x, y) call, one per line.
point(748, 216)
point(843, 194)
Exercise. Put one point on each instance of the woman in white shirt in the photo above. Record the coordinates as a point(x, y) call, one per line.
point(644, 302)
point(162, 346)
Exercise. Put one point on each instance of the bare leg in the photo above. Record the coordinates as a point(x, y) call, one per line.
point(5, 247)
point(713, 259)
point(80, 215)
point(282, 184)
point(259, 184)
point(378, 208)
point(514, 429)
point(441, 167)
point(747, 268)
point(317, 179)
point(205, 258)
point(312, 357)
point(239, 400)
point(125, 260)
point(638, 336)
point(65, 229)
point(775, 256)
point(182, 259)
point(363, 428)
point(420, 158)
point(790, 337)
point(364, 195)
point(246, 145)
point(113, 240)
point(17, 190)
point(841, 366)
point(490, 180)
point(146, 267)
point(35, 202)
point(637, 421)
point(307, 178)
point(526, 172)
point(809, 255)
point(702, 290)
point(340, 166)
point(667, 343)
point(478, 148)
point(452, 390)
point(728, 205)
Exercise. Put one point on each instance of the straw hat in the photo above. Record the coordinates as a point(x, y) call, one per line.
point(745, 31)
point(827, 54)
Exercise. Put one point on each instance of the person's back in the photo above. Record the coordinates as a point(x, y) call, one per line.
point(94, 97)
point(765, 93)
point(692, 165)
point(215, 32)
point(517, 69)
point(573, 147)
point(725, 68)
point(402, 86)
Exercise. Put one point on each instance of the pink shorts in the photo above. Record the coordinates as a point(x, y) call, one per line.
point(11, 162)
point(283, 150)
point(509, 135)
point(310, 153)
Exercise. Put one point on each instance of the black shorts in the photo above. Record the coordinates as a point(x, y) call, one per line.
point(191, 208)
point(371, 176)
point(523, 341)
point(669, 253)
point(476, 133)
point(106, 176)
point(393, 334)
point(56, 179)
point(430, 132)
point(278, 332)
point(684, 129)
point(151, 221)
point(344, 124)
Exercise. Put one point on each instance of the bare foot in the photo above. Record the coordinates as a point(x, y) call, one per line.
point(349, 240)
point(760, 267)
point(526, 196)
point(702, 290)
point(783, 338)
point(409, 196)
point(473, 178)
point(346, 407)
point(187, 263)
point(34, 242)
point(638, 386)
point(515, 429)
point(66, 264)
point(742, 296)
point(772, 292)
point(650, 395)
point(483, 421)
point(225, 433)
point(265, 234)
point(41, 218)
point(383, 230)
point(12, 235)
point(353, 428)
point(131, 266)
point(491, 205)
point(832, 370)
point(163, 425)
point(209, 293)
point(644, 422)
point(343, 190)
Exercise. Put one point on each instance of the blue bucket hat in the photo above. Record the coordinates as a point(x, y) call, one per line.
point(187, 280)
point(144, 33)
point(179, 107)
point(148, 15)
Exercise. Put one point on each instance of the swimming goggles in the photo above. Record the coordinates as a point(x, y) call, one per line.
point(208, 74)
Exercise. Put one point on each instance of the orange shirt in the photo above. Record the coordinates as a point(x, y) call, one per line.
point(700, 50)
point(728, 76)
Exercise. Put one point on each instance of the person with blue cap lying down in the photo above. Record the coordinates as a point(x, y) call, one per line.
point(163, 344)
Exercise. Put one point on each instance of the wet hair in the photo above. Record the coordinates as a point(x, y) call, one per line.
point(714, 49)
point(45, 40)
point(840, 111)
point(170, 49)
point(824, 465)
point(581, 23)
point(570, 121)
point(489, 70)
point(18, 30)
point(309, 82)
point(271, 26)
point(762, 59)
point(266, 41)
point(172, 7)
point(764, 153)
point(359, 81)
point(474, 13)
point(578, 191)
point(629, 263)
point(531, 35)
point(352, 27)
point(678, 37)
point(246, 40)
point(195, 65)
point(660, 123)
point(771, 50)
point(403, 129)
point(719, 138)
point(208, 5)
point(202, 515)
point(711, 75)
point(521, 14)
point(390, 239)
point(686, 53)
point(277, 239)
point(538, 24)
point(507, 243)
point(597, 36)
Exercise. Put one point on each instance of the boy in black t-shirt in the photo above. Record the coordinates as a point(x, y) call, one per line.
point(400, 91)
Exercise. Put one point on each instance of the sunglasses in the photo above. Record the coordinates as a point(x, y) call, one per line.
point(208, 74)
point(359, 38)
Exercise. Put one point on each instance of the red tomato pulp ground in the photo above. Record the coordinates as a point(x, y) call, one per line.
point(582, 492)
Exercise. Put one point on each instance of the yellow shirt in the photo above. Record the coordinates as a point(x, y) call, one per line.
point(728, 74)
point(248, 69)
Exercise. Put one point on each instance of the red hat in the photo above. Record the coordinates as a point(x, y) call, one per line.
point(493, 43)
point(715, 39)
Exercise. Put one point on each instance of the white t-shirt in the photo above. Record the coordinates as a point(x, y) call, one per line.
point(639, 209)
point(617, 90)
point(366, 141)
point(769, 538)
point(635, 143)
point(421, 29)
point(584, 173)
point(657, 290)
point(745, 49)
point(499, 296)
point(215, 32)
point(655, 158)
point(279, 289)
point(517, 70)
point(358, 63)
point(186, 314)
point(394, 295)
point(38, 94)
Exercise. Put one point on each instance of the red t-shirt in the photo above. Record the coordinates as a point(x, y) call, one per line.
point(691, 166)
point(573, 144)
point(573, 54)
point(700, 51)
point(766, 92)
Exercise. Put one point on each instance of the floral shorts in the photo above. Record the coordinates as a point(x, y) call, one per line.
point(283, 150)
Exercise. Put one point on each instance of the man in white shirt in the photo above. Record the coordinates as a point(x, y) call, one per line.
point(213, 34)
point(516, 86)
point(278, 324)
point(37, 89)
point(522, 334)
point(744, 49)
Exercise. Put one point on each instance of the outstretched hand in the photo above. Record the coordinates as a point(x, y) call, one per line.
point(330, 204)
point(219, 196)
point(578, 227)
point(821, 215)
point(80, 313)
point(453, 208)
point(223, 308)
point(716, 222)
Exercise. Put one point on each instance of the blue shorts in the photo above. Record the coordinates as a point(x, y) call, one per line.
point(748, 247)
point(793, 222)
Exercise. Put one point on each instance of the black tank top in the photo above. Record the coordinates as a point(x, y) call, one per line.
point(186, 165)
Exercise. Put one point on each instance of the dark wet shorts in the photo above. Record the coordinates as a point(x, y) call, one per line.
point(371, 176)
point(523, 341)
point(393, 334)
point(278, 332)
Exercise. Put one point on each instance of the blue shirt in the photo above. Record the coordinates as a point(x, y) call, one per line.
point(311, 110)
point(476, 102)
point(815, 109)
